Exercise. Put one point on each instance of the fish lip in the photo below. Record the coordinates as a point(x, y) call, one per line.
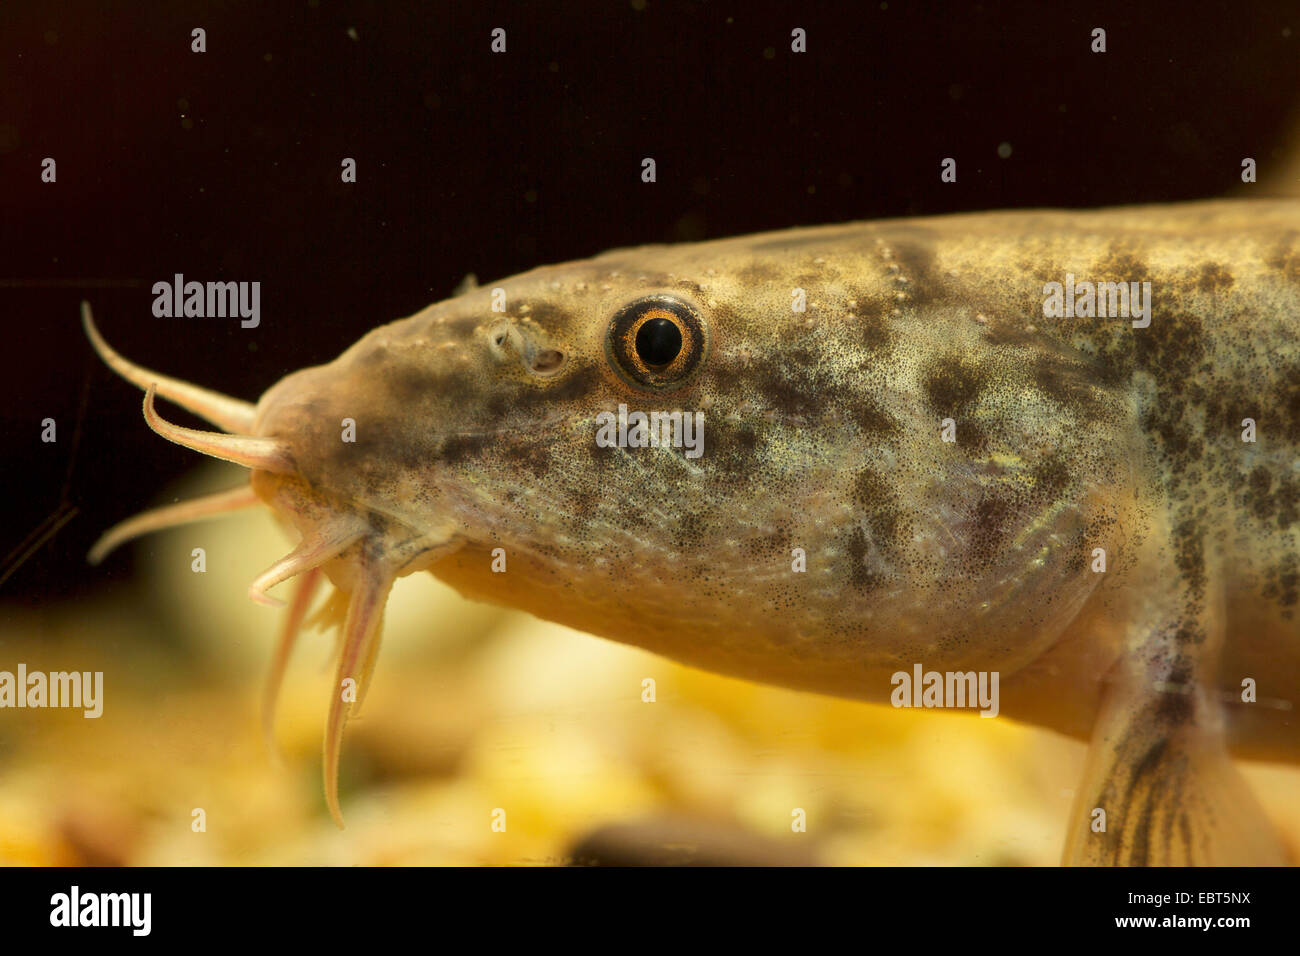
point(308, 505)
point(429, 555)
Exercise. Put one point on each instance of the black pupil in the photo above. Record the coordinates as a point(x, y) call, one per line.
point(658, 341)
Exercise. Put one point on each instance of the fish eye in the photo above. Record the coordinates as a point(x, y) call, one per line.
point(656, 342)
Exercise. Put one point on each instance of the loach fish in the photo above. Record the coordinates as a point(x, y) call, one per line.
point(1057, 448)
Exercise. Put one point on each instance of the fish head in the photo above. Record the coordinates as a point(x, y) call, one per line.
point(770, 461)
point(736, 459)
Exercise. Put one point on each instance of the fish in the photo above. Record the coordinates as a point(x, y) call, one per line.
point(1055, 448)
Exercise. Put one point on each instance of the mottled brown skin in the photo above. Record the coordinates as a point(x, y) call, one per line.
point(823, 433)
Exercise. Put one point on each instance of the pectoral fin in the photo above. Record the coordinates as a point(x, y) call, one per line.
point(1160, 789)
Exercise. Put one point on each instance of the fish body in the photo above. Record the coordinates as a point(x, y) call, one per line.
point(918, 444)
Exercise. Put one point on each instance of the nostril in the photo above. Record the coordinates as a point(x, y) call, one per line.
point(548, 361)
point(498, 334)
point(506, 338)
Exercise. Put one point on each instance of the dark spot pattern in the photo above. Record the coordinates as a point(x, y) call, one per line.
point(880, 509)
point(952, 386)
point(1214, 278)
point(861, 577)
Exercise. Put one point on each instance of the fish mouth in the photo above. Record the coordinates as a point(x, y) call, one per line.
point(361, 552)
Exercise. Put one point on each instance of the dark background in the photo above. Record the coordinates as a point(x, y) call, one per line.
point(225, 166)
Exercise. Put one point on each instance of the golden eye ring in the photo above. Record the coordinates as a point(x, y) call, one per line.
point(657, 342)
